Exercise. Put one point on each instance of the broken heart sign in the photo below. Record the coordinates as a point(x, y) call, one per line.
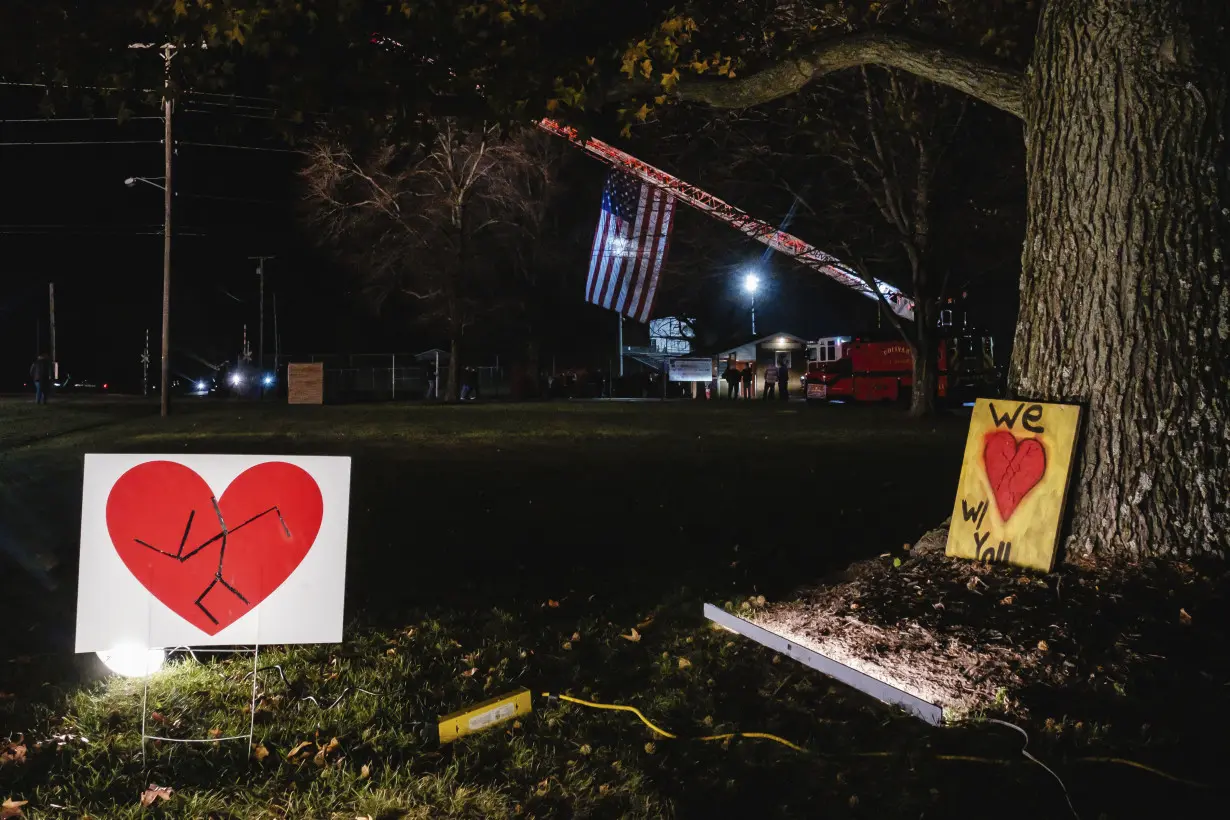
point(212, 557)
point(208, 550)
point(1014, 482)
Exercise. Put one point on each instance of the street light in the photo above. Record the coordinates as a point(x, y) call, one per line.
point(131, 182)
point(751, 284)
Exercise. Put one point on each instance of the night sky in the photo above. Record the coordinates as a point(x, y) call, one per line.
point(66, 216)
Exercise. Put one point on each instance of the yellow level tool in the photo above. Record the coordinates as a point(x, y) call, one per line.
point(484, 715)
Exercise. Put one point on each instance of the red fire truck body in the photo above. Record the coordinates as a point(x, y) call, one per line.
point(857, 369)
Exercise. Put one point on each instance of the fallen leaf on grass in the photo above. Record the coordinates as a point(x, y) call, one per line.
point(157, 717)
point(1008, 599)
point(647, 622)
point(554, 604)
point(684, 663)
point(586, 749)
point(635, 637)
point(469, 673)
point(1043, 646)
point(392, 650)
point(215, 733)
point(11, 808)
point(567, 646)
point(576, 636)
point(156, 793)
point(322, 755)
point(1184, 618)
point(260, 752)
point(603, 789)
point(13, 752)
point(650, 748)
point(302, 748)
point(365, 771)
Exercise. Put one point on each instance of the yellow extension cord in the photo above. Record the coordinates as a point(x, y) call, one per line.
point(615, 707)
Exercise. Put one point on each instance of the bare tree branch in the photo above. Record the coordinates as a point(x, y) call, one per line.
point(993, 83)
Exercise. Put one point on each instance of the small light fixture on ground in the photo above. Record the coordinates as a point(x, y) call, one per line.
point(268, 380)
point(132, 661)
point(236, 379)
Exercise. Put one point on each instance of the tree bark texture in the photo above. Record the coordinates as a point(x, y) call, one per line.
point(1125, 294)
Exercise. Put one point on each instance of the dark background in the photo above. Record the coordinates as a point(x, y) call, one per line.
point(67, 217)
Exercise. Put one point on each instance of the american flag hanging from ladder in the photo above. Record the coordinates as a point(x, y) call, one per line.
point(630, 246)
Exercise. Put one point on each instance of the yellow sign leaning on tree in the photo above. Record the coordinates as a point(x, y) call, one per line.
point(1014, 482)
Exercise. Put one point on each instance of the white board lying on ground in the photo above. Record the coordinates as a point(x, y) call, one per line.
point(923, 710)
point(212, 550)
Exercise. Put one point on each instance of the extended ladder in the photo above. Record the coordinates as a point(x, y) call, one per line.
point(757, 229)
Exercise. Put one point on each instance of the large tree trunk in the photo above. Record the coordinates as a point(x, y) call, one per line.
point(453, 391)
point(926, 376)
point(1125, 297)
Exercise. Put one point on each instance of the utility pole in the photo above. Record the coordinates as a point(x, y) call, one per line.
point(277, 338)
point(260, 344)
point(55, 362)
point(621, 343)
point(168, 54)
point(145, 366)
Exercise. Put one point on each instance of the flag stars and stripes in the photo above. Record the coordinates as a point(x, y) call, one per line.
point(630, 246)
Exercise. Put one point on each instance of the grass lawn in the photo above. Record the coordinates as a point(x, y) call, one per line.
point(493, 547)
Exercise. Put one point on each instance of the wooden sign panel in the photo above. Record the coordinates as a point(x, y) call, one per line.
point(306, 383)
point(1014, 483)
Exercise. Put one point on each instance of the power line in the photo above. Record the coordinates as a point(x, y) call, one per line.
point(81, 142)
point(236, 147)
point(75, 119)
point(236, 114)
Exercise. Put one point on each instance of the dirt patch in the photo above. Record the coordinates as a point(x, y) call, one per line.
point(973, 637)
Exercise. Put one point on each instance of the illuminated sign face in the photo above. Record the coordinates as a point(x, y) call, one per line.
point(1014, 482)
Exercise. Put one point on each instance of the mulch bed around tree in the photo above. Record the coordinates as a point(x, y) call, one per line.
point(1090, 641)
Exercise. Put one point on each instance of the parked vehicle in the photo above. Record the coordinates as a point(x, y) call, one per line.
point(861, 368)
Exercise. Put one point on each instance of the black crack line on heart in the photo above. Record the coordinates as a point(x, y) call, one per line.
point(225, 532)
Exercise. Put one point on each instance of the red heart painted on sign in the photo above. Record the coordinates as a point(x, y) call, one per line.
point(168, 531)
point(1013, 468)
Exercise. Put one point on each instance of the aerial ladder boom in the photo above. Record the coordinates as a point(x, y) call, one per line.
point(761, 231)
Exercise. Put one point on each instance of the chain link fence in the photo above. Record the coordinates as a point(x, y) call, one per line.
point(369, 377)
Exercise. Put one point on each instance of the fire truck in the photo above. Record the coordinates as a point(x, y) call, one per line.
point(880, 368)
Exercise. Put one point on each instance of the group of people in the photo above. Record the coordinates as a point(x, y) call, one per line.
point(742, 383)
point(468, 381)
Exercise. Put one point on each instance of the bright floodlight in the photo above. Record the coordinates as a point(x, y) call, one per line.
point(133, 661)
point(268, 380)
point(236, 379)
point(751, 283)
point(200, 386)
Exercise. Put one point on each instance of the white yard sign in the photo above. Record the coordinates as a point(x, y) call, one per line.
point(212, 550)
point(690, 370)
